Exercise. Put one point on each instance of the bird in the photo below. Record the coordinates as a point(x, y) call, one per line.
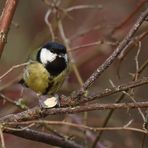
point(46, 69)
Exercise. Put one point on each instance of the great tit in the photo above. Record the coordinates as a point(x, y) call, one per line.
point(47, 69)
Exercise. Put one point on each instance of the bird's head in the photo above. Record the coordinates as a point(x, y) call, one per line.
point(54, 57)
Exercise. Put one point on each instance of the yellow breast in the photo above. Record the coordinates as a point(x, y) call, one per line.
point(36, 77)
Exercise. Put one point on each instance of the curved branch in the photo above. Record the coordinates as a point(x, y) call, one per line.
point(122, 46)
point(5, 21)
point(44, 138)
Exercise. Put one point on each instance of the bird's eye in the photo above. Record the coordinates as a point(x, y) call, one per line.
point(52, 50)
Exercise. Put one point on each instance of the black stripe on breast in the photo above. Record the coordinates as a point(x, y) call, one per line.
point(50, 85)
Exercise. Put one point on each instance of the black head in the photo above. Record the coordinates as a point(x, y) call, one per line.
point(55, 47)
point(54, 56)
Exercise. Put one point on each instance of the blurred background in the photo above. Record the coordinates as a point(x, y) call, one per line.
point(94, 29)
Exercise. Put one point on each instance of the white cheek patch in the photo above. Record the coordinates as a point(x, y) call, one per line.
point(47, 56)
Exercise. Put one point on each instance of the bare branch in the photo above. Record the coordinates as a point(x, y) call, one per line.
point(5, 21)
point(13, 68)
point(80, 126)
point(49, 24)
point(93, 44)
point(83, 7)
point(44, 138)
point(37, 112)
point(122, 46)
point(2, 138)
point(110, 91)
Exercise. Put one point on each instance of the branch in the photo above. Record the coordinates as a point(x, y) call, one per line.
point(122, 46)
point(83, 7)
point(38, 112)
point(121, 97)
point(111, 91)
point(44, 138)
point(106, 92)
point(5, 21)
point(74, 125)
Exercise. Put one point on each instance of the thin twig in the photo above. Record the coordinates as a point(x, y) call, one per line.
point(143, 140)
point(106, 121)
point(19, 128)
point(13, 68)
point(135, 78)
point(49, 24)
point(83, 7)
point(16, 103)
point(53, 131)
point(137, 61)
point(143, 66)
point(66, 42)
point(2, 138)
point(93, 44)
point(110, 91)
point(132, 44)
point(11, 82)
point(79, 126)
point(140, 111)
point(82, 33)
point(139, 71)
